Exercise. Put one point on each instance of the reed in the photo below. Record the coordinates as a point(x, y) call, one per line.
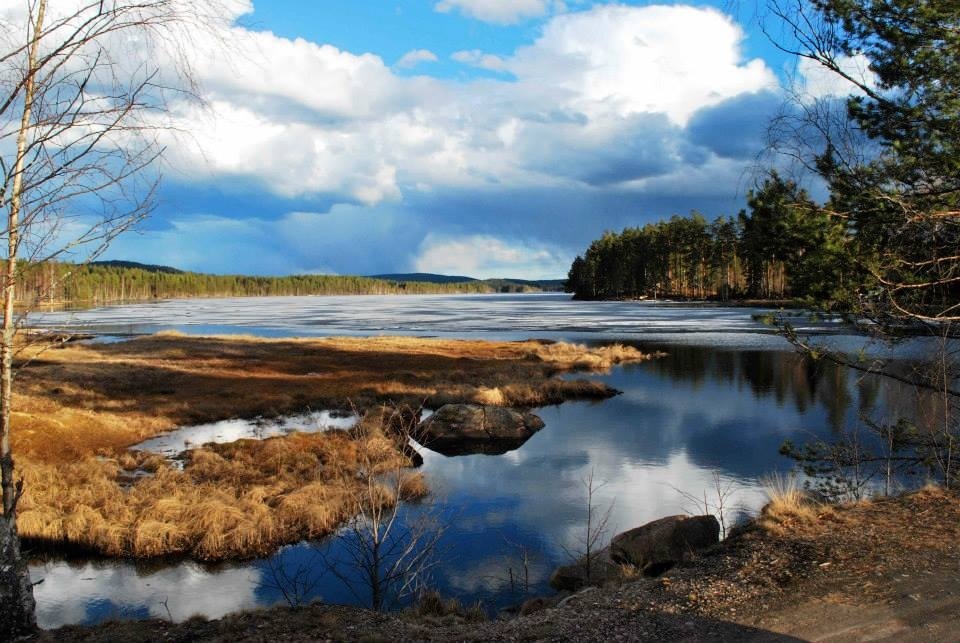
point(85, 399)
point(230, 501)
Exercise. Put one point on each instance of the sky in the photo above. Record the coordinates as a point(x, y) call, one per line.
point(490, 138)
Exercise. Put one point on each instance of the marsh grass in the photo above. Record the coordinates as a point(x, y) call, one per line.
point(79, 408)
point(230, 501)
point(579, 357)
point(431, 603)
point(88, 398)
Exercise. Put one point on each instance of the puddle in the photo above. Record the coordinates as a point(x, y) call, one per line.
point(190, 437)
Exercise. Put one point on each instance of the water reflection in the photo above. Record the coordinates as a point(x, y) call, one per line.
point(90, 592)
point(697, 411)
point(226, 431)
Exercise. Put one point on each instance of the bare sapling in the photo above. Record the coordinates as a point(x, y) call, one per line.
point(84, 91)
point(590, 541)
point(715, 502)
point(295, 580)
point(519, 578)
point(384, 554)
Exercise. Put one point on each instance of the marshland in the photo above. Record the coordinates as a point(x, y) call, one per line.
point(122, 532)
point(249, 497)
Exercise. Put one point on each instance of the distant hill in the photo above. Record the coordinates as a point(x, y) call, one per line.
point(424, 277)
point(137, 266)
point(498, 284)
point(546, 284)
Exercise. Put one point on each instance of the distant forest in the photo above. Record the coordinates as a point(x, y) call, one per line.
point(95, 283)
point(782, 247)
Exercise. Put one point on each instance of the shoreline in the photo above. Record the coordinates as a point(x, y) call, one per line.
point(883, 569)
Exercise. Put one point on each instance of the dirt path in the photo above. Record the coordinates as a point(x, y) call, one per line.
point(893, 575)
point(916, 617)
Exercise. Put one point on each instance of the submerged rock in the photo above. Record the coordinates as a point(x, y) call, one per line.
point(459, 429)
point(657, 546)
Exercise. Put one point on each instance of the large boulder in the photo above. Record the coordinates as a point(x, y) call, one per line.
point(458, 429)
point(598, 570)
point(657, 546)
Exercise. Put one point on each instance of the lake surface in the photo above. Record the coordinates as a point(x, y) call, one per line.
point(488, 316)
point(723, 400)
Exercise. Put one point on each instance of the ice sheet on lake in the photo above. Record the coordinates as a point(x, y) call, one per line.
point(190, 437)
point(493, 316)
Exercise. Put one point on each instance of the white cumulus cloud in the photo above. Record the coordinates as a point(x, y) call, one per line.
point(600, 98)
point(599, 101)
point(415, 57)
point(485, 256)
point(68, 591)
point(503, 12)
point(477, 58)
point(816, 81)
point(618, 60)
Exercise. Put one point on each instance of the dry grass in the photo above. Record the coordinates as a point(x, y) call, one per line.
point(235, 500)
point(80, 407)
point(83, 398)
point(413, 487)
point(432, 605)
point(788, 504)
point(579, 357)
point(522, 394)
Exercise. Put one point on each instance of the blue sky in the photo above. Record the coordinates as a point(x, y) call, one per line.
point(479, 137)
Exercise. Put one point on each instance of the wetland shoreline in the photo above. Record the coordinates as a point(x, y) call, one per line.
point(879, 570)
point(81, 406)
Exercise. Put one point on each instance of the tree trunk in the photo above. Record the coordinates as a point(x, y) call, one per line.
point(16, 591)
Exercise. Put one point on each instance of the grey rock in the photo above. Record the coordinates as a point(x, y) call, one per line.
point(458, 429)
point(657, 546)
point(600, 570)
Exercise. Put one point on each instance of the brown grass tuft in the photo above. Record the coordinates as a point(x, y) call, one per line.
point(413, 486)
point(788, 505)
point(579, 357)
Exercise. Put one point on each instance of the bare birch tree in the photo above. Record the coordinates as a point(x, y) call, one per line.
point(85, 87)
